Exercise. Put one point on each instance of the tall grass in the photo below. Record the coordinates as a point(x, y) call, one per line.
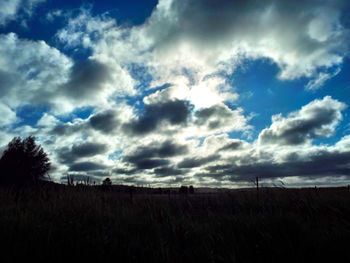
point(284, 225)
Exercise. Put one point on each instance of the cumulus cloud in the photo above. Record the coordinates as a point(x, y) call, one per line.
point(173, 112)
point(106, 121)
point(299, 38)
point(221, 118)
point(32, 71)
point(155, 155)
point(174, 72)
point(86, 78)
point(164, 149)
point(219, 159)
point(315, 120)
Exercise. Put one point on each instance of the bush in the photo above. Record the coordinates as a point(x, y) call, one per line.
point(23, 163)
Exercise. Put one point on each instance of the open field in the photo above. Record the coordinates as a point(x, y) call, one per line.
point(282, 225)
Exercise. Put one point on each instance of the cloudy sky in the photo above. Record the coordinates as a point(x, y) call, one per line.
point(202, 92)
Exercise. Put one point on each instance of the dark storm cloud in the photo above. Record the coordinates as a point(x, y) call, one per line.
point(168, 171)
point(151, 156)
point(66, 156)
point(197, 162)
point(67, 129)
point(214, 117)
point(88, 149)
point(145, 163)
point(151, 163)
point(105, 121)
point(7, 80)
point(86, 79)
point(124, 171)
point(232, 146)
point(175, 112)
point(165, 149)
point(299, 131)
point(317, 165)
point(315, 120)
point(86, 166)
point(169, 149)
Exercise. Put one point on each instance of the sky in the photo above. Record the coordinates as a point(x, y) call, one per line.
point(169, 93)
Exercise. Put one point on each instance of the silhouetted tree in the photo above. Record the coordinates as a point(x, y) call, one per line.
point(191, 189)
point(107, 182)
point(23, 163)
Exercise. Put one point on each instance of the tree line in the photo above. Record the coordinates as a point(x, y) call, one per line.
point(24, 163)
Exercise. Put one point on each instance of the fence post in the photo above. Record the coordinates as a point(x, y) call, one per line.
point(257, 188)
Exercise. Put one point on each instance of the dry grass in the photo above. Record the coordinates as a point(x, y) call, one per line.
point(285, 225)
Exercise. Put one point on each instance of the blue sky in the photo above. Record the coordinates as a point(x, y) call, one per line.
point(186, 92)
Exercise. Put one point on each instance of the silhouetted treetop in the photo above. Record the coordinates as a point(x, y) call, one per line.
point(23, 163)
point(107, 182)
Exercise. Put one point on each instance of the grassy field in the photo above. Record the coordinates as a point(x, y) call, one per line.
point(283, 225)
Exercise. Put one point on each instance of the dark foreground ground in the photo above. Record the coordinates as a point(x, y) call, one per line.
point(284, 225)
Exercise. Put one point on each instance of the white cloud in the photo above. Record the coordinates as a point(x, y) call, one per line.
point(304, 40)
point(48, 121)
point(8, 116)
point(202, 36)
point(32, 71)
point(84, 29)
point(319, 80)
point(314, 120)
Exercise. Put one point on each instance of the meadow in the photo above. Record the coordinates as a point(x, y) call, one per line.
point(104, 225)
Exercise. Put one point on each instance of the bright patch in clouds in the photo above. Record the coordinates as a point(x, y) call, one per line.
point(164, 100)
